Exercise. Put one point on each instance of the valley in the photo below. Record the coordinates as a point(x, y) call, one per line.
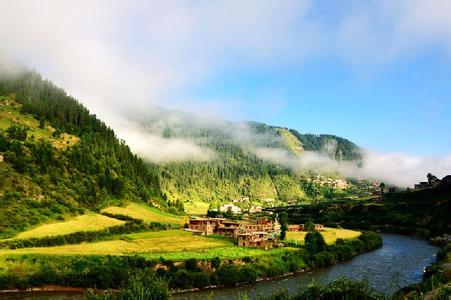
point(79, 209)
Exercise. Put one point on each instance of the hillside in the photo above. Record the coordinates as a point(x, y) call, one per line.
point(236, 170)
point(422, 213)
point(57, 159)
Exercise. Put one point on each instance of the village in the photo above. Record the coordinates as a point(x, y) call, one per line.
point(262, 232)
point(433, 182)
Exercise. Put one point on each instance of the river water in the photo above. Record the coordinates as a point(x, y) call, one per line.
point(398, 263)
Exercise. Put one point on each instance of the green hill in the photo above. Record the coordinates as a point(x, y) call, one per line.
point(236, 171)
point(57, 159)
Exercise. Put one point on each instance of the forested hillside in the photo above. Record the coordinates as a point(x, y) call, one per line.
point(57, 159)
point(236, 171)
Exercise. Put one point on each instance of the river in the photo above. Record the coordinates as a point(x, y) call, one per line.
point(399, 262)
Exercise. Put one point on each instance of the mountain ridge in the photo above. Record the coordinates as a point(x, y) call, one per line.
point(58, 159)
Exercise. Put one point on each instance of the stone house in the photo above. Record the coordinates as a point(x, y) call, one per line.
point(228, 228)
point(319, 227)
point(253, 239)
point(204, 226)
point(230, 208)
point(297, 227)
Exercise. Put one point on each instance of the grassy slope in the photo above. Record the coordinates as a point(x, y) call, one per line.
point(87, 222)
point(196, 208)
point(290, 141)
point(330, 235)
point(145, 213)
point(10, 115)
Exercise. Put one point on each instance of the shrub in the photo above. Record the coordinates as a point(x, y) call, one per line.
point(145, 286)
point(215, 262)
point(191, 265)
point(181, 279)
point(228, 275)
point(314, 242)
point(247, 274)
point(200, 279)
point(323, 258)
point(335, 290)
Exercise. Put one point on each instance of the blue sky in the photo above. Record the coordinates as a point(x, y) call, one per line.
point(376, 72)
point(402, 106)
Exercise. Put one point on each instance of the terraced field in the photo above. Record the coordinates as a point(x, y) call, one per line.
point(87, 222)
point(145, 213)
point(330, 235)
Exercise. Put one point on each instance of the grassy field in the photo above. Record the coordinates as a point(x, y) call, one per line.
point(145, 213)
point(87, 222)
point(222, 252)
point(330, 235)
point(170, 244)
point(147, 242)
point(196, 208)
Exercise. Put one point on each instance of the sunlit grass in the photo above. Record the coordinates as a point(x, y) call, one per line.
point(330, 235)
point(150, 242)
point(145, 213)
point(10, 115)
point(87, 222)
point(171, 245)
point(223, 253)
point(196, 208)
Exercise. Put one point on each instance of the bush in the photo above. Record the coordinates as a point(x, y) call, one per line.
point(247, 275)
point(191, 265)
point(314, 242)
point(323, 258)
point(140, 285)
point(335, 290)
point(228, 275)
point(215, 262)
point(200, 279)
point(182, 279)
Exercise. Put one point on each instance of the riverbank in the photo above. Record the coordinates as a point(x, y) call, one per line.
point(399, 262)
point(106, 272)
point(436, 279)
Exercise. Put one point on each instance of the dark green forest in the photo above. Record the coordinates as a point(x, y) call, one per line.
point(236, 171)
point(40, 183)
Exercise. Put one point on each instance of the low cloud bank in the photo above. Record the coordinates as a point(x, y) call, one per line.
point(157, 149)
point(398, 169)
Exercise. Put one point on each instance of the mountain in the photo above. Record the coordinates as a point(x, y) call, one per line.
point(57, 159)
point(234, 165)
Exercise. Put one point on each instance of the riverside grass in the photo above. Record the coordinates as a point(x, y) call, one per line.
point(175, 245)
point(330, 235)
point(152, 242)
point(145, 213)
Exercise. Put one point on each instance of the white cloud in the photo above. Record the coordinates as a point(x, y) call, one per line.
point(113, 55)
point(157, 149)
point(398, 169)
